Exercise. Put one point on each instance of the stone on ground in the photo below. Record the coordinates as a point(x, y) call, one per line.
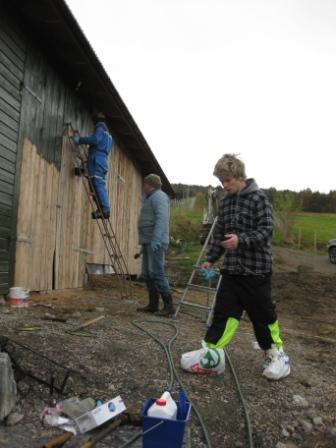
point(7, 386)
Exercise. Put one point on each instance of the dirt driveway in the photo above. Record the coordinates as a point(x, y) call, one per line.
point(118, 358)
point(290, 260)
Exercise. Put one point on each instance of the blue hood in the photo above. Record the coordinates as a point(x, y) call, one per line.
point(101, 124)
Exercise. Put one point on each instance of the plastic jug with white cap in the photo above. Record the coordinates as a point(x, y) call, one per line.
point(163, 407)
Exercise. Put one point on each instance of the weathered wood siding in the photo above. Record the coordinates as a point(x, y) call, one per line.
point(12, 61)
point(56, 235)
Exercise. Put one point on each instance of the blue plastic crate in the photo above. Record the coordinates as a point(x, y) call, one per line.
point(170, 433)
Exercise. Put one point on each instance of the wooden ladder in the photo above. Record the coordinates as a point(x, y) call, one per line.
point(108, 235)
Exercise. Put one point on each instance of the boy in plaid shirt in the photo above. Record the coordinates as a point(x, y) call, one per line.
point(243, 235)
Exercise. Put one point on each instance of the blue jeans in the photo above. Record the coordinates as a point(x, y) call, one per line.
point(97, 169)
point(153, 269)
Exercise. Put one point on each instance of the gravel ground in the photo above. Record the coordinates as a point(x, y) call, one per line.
point(118, 358)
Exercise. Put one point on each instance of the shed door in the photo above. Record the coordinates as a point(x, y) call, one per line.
point(12, 61)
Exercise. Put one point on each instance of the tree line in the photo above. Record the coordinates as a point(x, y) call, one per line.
point(304, 200)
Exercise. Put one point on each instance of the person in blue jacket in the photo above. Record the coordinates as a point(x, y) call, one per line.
point(100, 143)
point(153, 227)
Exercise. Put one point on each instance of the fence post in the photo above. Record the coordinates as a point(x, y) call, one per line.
point(315, 241)
point(299, 238)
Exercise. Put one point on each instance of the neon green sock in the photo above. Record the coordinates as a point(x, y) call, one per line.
point(275, 334)
point(230, 329)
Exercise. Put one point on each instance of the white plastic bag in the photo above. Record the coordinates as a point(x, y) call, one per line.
point(208, 361)
point(54, 417)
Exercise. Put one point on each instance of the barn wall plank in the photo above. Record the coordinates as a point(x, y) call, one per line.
point(12, 60)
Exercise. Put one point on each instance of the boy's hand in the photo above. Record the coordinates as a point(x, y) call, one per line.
point(231, 242)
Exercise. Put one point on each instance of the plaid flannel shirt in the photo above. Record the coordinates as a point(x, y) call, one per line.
point(249, 215)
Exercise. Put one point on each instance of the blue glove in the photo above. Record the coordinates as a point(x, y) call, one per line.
point(76, 139)
point(155, 245)
point(207, 274)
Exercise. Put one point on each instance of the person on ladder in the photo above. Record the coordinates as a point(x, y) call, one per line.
point(243, 234)
point(97, 163)
point(153, 227)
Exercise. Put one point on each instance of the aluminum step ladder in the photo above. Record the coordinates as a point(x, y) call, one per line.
point(108, 235)
point(193, 284)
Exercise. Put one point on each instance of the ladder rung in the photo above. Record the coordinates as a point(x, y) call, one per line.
point(107, 235)
point(201, 288)
point(196, 305)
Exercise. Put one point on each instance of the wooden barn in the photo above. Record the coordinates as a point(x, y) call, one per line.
point(50, 76)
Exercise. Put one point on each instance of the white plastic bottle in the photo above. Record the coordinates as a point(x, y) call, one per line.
point(164, 407)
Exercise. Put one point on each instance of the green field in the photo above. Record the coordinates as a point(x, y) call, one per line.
point(186, 225)
point(309, 228)
point(310, 231)
point(195, 214)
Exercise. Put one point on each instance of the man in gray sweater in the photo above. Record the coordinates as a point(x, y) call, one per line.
point(153, 227)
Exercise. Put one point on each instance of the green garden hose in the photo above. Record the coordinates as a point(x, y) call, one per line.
point(172, 370)
point(173, 374)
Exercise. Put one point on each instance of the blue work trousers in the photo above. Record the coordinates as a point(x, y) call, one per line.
point(97, 169)
point(153, 268)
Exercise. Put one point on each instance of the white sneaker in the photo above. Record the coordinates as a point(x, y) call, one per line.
point(276, 365)
point(208, 361)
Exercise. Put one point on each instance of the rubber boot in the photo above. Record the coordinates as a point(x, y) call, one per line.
point(168, 308)
point(153, 305)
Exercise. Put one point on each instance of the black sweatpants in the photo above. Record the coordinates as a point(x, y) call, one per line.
point(251, 293)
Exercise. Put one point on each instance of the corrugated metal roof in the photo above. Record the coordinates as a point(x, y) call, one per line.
point(58, 33)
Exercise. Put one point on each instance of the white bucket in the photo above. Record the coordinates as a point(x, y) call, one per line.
point(18, 297)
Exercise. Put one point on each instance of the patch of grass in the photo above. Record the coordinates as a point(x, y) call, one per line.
point(186, 224)
point(191, 254)
point(321, 226)
point(195, 215)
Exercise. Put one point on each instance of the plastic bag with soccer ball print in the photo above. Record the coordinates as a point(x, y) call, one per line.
point(206, 361)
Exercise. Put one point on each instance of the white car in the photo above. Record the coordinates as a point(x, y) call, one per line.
point(331, 247)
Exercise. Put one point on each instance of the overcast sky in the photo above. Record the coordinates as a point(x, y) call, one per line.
point(205, 77)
